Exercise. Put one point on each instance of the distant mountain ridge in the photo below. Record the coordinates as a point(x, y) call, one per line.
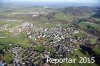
point(47, 4)
point(77, 11)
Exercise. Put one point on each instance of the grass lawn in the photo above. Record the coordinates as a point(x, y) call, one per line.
point(86, 24)
point(64, 16)
point(81, 35)
point(39, 48)
point(97, 51)
point(8, 57)
point(93, 40)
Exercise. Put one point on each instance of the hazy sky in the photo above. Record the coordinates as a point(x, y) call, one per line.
point(72, 1)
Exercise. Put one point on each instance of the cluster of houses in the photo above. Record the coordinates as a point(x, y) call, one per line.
point(4, 27)
point(60, 40)
point(24, 27)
